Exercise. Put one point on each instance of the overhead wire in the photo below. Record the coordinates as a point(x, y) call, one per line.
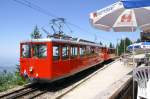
point(78, 27)
point(69, 28)
point(35, 7)
point(45, 12)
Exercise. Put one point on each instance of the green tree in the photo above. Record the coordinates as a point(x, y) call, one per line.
point(100, 43)
point(111, 45)
point(36, 33)
point(124, 43)
point(138, 40)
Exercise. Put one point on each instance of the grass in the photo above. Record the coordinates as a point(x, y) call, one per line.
point(10, 80)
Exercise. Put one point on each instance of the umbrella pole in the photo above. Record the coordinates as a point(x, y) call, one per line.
point(133, 69)
point(117, 46)
point(124, 46)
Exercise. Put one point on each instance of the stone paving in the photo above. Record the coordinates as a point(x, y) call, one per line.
point(101, 81)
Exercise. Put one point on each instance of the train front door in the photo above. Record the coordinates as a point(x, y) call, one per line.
point(39, 63)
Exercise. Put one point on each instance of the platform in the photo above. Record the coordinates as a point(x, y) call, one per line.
point(100, 82)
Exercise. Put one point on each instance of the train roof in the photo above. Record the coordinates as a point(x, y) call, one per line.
point(78, 41)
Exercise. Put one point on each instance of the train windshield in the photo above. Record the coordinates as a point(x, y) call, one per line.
point(26, 51)
point(34, 50)
point(39, 50)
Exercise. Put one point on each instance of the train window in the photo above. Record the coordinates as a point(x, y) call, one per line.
point(26, 51)
point(87, 50)
point(39, 50)
point(56, 53)
point(74, 51)
point(65, 54)
point(82, 51)
point(92, 50)
point(99, 50)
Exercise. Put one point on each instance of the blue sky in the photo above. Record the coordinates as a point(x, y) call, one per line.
point(17, 22)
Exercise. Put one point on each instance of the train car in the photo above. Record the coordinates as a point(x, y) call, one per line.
point(51, 59)
point(141, 47)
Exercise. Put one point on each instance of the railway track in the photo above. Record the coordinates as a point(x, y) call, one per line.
point(19, 92)
point(26, 92)
point(55, 90)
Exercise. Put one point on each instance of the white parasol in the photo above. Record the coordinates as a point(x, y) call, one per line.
point(115, 17)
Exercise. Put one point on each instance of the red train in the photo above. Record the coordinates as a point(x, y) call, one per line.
point(52, 59)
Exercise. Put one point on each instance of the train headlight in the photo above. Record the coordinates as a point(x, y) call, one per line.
point(37, 75)
point(31, 69)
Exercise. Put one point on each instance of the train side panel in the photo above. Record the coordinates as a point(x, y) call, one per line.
point(65, 67)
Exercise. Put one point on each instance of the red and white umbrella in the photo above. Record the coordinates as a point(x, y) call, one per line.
point(115, 17)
